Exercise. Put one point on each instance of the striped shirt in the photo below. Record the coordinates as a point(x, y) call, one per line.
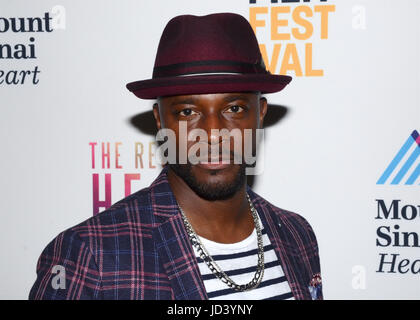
point(239, 261)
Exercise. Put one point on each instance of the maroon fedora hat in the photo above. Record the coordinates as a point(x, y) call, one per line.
point(216, 53)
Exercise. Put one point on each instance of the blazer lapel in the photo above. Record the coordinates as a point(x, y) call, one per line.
point(283, 245)
point(179, 261)
point(173, 245)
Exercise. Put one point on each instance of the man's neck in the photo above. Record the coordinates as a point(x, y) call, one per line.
point(224, 221)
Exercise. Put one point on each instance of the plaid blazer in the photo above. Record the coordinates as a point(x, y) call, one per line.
point(139, 249)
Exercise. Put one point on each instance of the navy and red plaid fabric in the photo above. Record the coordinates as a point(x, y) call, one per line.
point(139, 249)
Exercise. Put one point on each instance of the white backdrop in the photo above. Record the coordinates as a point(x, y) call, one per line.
point(323, 158)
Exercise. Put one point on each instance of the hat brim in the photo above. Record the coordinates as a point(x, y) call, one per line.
point(203, 84)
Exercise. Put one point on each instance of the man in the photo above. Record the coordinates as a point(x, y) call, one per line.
point(198, 231)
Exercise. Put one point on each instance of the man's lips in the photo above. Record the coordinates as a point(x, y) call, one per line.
point(215, 163)
point(214, 166)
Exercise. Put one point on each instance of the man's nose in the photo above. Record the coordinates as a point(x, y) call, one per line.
point(212, 124)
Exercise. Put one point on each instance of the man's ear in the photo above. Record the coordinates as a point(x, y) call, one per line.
point(157, 115)
point(263, 110)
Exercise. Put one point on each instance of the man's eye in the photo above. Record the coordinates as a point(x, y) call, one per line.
point(187, 112)
point(235, 109)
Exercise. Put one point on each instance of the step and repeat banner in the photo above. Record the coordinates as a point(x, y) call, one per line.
point(342, 145)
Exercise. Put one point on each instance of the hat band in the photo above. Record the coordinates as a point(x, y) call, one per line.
point(209, 74)
point(206, 67)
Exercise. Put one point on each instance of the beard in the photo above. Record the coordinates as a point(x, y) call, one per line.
point(211, 191)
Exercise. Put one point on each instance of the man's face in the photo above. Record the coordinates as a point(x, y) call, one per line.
point(211, 111)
